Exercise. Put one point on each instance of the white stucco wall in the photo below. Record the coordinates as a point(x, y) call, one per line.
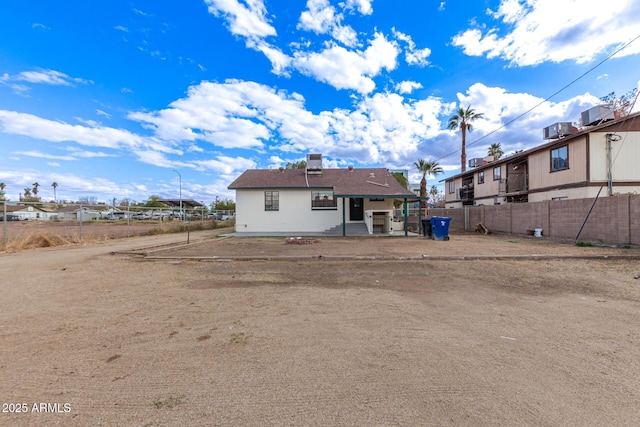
point(294, 215)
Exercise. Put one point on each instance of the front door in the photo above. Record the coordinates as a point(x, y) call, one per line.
point(356, 209)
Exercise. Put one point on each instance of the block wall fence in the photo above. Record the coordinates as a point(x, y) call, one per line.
point(614, 220)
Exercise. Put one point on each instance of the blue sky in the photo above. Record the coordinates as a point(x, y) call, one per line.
point(110, 98)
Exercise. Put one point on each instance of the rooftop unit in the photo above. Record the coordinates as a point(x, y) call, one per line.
point(597, 115)
point(477, 162)
point(557, 130)
point(314, 163)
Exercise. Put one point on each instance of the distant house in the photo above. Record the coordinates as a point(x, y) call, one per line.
point(573, 164)
point(76, 213)
point(24, 212)
point(317, 199)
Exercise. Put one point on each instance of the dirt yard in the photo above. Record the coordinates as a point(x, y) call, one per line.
point(479, 330)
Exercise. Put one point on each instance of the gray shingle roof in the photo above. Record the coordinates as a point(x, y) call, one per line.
point(366, 182)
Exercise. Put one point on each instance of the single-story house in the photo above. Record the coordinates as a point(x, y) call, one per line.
point(25, 212)
point(76, 213)
point(316, 200)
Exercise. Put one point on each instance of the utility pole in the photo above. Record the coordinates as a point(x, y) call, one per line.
point(180, 176)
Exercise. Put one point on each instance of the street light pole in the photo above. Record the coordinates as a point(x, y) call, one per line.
point(180, 176)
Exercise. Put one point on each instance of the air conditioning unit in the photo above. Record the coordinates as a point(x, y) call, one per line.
point(596, 115)
point(557, 130)
point(474, 163)
point(314, 163)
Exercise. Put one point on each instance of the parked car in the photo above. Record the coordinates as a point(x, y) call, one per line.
point(11, 217)
point(215, 215)
point(141, 215)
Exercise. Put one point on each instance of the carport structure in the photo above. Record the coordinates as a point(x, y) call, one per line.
point(181, 204)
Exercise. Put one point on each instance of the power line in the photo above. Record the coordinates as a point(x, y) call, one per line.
point(546, 99)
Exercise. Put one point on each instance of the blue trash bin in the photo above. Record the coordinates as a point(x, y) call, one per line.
point(440, 227)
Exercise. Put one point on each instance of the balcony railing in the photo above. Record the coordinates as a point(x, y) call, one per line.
point(466, 192)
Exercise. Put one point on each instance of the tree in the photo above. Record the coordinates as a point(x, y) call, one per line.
point(427, 168)
point(153, 202)
point(54, 185)
point(433, 192)
point(495, 149)
point(88, 200)
point(462, 120)
point(35, 189)
point(399, 176)
point(302, 164)
point(621, 105)
point(2, 187)
point(223, 205)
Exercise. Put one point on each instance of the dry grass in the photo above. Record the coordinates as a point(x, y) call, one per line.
point(49, 239)
point(31, 241)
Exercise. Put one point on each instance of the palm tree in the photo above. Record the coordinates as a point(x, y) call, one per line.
point(35, 189)
point(54, 185)
point(427, 168)
point(2, 187)
point(462, 120)
point(495, 150)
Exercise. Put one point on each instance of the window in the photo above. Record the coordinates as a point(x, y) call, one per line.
point(271, 200)
point(481, 177)
point(496, 173)
point(452, 187)
point(323, 200)
point(560, 158)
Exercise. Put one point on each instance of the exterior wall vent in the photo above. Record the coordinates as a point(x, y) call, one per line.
point(597, 115)
point(557, 130)
point(314, 163)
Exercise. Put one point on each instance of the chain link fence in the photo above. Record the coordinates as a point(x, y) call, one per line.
point(77, 222)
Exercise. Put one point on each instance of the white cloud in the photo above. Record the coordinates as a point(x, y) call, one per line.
point(49, 77)
point(40, 26)
point(413, 55)
point(363, 6)
point(227, 166)
point(103, 113)
point(42, 155)
point(501, 107)
point(548, 30)
point(248, 20)
point(319, 17)
point(344, 69)
point(279, 61)
point(322, 18)
point(408, 86)
point(16, 123)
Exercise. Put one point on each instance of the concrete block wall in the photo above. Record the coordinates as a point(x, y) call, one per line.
point(613, 220)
